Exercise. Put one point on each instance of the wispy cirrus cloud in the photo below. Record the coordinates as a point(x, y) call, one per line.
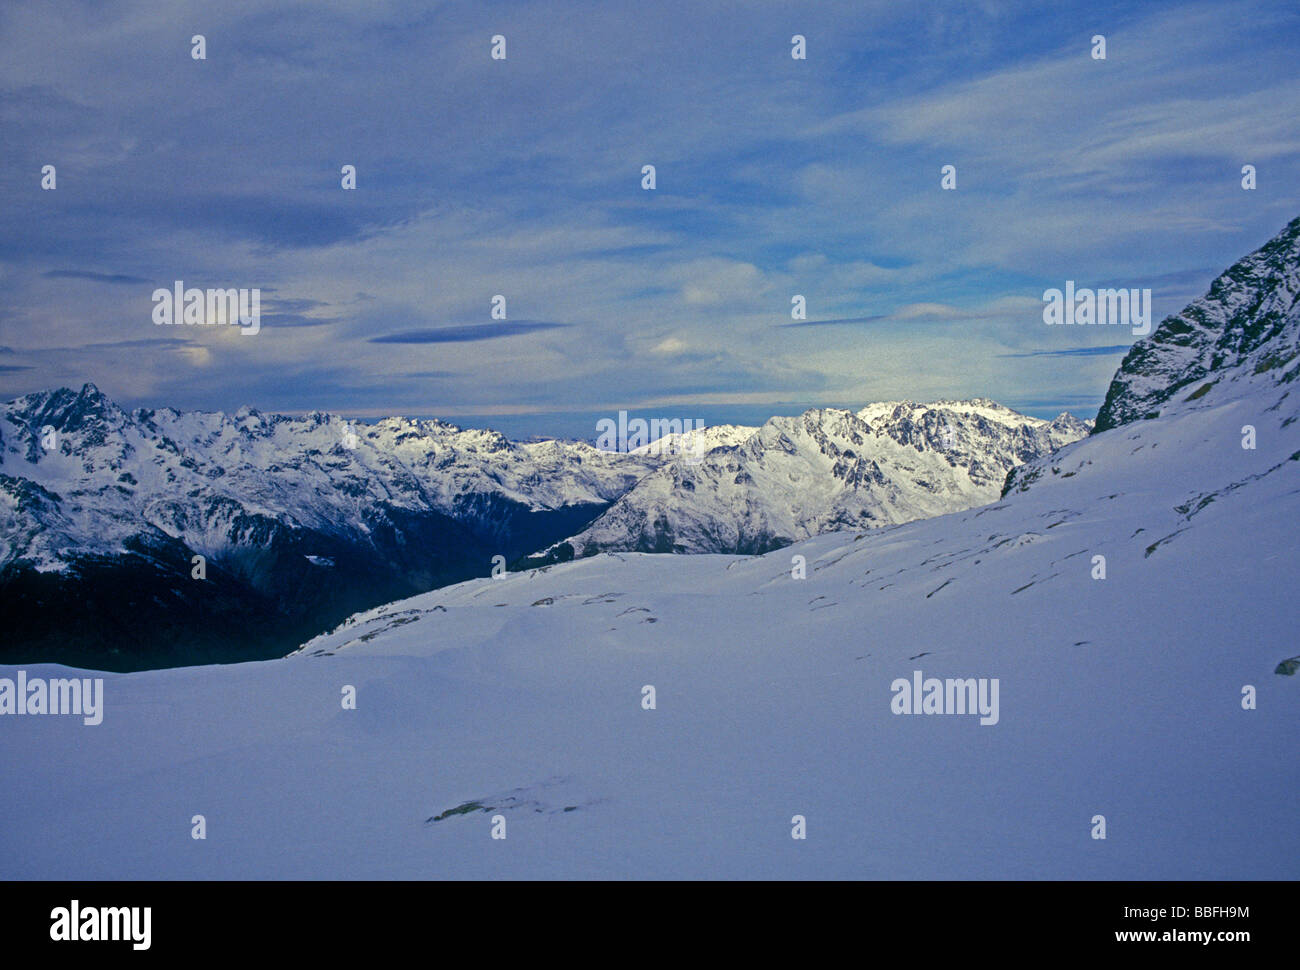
point(75, 274)
point(467, 333)
point(1111, 351)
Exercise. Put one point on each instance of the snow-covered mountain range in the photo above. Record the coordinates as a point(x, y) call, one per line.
point(212, 479)
point(300, 520)
point(826, 469)
point(637, 716)
point(303, 520)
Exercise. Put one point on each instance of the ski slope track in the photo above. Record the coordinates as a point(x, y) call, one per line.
point(521, 697)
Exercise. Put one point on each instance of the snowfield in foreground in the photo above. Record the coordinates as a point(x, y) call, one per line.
point(522, 697)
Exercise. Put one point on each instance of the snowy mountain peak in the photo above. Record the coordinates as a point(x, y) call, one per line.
point(65, 409)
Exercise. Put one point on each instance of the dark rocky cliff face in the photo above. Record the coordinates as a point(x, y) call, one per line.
point(1246, 325)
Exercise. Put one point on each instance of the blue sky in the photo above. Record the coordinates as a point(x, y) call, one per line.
point(522, 177)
